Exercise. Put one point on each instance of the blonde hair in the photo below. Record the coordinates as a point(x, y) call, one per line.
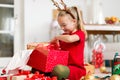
point(75, 13)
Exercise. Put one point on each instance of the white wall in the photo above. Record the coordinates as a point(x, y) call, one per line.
point(111, 8)
point(37, 20)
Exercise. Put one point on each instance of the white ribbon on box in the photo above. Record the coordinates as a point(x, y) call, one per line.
point(18, 61)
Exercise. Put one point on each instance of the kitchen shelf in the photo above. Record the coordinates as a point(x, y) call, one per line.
point(102, 29)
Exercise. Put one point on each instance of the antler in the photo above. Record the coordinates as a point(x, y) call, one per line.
point(64, 5)
point(56, 4)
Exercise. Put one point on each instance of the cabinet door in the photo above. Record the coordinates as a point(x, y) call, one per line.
point(6, 28)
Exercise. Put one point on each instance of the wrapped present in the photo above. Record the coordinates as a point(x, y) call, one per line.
point(44, 58)
point(20, 76)
point(116, 64)
point(90, 68)
point(16, 77)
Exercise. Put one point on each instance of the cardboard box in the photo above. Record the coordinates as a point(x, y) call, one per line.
point(32, 45)
point(45, 59)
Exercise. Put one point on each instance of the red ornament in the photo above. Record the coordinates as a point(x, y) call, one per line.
point(3, 71)
point(97, 59)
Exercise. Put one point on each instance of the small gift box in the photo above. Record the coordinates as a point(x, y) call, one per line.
point(20, 76)
point(90, 68)
point(44, 58)
point(16, 77)
point(116, 64)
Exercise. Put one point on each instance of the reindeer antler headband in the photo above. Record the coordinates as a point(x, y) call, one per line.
point(64, 7)
point(62, 3)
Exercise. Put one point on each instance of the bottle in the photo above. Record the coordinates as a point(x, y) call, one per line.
point(113, 61)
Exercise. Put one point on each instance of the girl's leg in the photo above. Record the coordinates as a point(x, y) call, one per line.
point(76, 73)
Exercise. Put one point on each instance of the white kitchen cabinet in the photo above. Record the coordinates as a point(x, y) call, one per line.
point(11, 29)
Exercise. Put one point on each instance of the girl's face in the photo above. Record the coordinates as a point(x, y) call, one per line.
point(67, 24)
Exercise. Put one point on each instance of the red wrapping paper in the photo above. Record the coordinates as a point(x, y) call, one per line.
point(3, 78)
point(38, 76)
point(44, 58)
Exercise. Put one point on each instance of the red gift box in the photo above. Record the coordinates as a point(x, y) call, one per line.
point(44, 58)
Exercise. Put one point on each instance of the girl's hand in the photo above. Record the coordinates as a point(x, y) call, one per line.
point(55, 42)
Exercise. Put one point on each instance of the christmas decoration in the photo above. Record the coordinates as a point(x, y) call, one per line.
point(38, 76)
point(115, 77)
point(97, 56)
point(103, 69)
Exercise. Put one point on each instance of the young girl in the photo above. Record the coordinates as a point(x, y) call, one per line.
point(72, 40)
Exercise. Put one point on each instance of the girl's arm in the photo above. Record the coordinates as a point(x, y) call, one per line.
point(68, 38)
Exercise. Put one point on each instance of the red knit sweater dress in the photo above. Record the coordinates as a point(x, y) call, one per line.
point(76, 56)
